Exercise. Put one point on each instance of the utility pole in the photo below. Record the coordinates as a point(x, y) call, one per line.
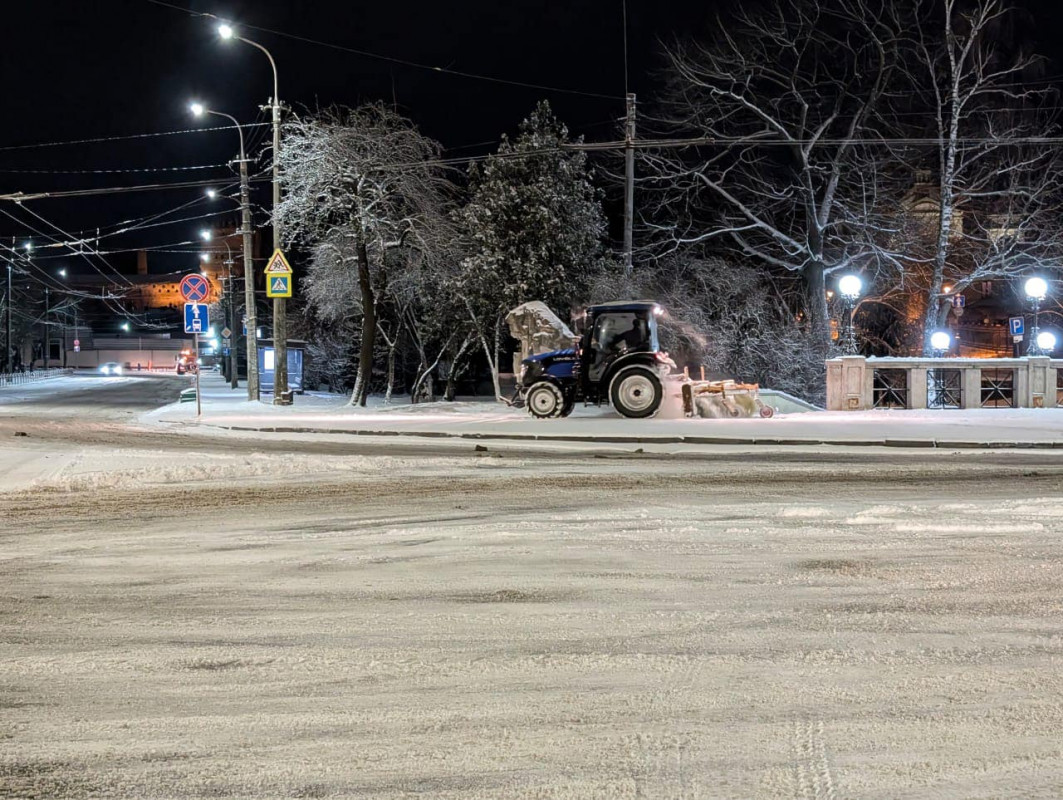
point(231, 321)
point(47, 332)
point(250, 317)
point(629, 181)
point(281, 396)
point(7, 341)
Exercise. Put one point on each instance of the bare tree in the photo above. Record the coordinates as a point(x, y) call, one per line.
point(364, 191)
point(786, 98)
point(998, 189)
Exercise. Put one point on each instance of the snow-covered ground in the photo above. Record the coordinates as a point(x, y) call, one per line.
point(498, 627)
point(226, 409)
point(310, 615)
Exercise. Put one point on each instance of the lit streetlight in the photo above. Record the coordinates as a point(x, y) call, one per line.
point(850, 287)
point(940, 342)
point(1046, 341)
point(281, 396)
point(250, 319)
point(1036, 290)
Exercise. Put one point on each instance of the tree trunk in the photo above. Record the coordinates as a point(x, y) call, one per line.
point(817, 305)
point(365, 358)
point(457, 367)
point(391, 374)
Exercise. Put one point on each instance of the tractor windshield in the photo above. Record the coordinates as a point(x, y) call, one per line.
point(624, 331)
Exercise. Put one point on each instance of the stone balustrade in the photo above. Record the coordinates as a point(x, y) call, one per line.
point(857, 383)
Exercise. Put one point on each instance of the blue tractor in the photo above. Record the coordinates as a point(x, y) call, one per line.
point(617, 360)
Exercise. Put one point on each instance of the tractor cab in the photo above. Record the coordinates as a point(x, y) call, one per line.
point(614, 332)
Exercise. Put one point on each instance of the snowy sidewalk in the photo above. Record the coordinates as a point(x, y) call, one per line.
point(225, 409)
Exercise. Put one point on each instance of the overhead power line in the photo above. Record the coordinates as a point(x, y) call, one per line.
point(69, 142)
point(394, 60)
point(20, 197)
point(107, 171)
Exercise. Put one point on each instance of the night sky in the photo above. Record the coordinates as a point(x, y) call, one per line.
point(77, 70)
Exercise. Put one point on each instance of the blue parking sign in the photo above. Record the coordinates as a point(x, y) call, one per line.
point(196, 319)
point(1017, 326)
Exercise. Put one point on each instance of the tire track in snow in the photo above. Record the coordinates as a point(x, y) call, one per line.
point(660, 762)
point(812, 774)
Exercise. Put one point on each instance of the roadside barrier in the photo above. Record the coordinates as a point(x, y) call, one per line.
point(31, 376)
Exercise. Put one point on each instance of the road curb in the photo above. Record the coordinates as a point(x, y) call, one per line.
point(730, 441)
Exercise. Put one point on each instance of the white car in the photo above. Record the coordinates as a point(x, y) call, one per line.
point(111, 368)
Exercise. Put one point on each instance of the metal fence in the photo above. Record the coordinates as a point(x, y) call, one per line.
point(31, 376)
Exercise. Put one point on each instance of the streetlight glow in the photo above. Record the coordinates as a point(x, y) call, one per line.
point(1036, 288)
point(204, 257)
point(125, 326)
point(197, 109)
point(212, 193)
point(850, 286)
point(939, 340)
point(28, 246)
point(62, 273)
point(225, 31)
point(1046, 341)
point(206, 235)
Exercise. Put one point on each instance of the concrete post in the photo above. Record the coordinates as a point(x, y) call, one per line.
point(917, 386)
point(972, 387)
point(1037, 389)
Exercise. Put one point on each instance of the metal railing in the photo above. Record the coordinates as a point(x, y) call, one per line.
point(31, 376)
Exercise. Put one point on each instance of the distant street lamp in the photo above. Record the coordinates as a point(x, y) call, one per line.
point(940, 342)
point(1036, 290)
point(281, 395)
point(124, 326)
point(850, 286)
point(249, 279)
point(1046, 341)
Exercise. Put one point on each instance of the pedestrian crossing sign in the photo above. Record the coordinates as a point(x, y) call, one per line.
point(278, 285)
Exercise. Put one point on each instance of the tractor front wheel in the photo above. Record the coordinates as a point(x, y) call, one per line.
point(545, 401)
point(636, 392)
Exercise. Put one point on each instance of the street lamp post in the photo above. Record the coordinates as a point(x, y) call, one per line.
point(251, 323)
point(850, 286)
point(1036, 290)
point(8, 351)
point(281, 396)
point(230, 322)
point(47, 332)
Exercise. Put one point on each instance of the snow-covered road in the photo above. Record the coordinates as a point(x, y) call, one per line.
point(313, 616)
point(494, 627)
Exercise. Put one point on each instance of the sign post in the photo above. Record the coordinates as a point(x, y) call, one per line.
point(197, 321)
point(279, 287)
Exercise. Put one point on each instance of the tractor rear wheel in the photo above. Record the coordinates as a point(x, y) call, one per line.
point(636, 392)
point(544, 400)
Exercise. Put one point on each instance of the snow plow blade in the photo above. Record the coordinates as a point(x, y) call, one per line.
point(724, 400)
